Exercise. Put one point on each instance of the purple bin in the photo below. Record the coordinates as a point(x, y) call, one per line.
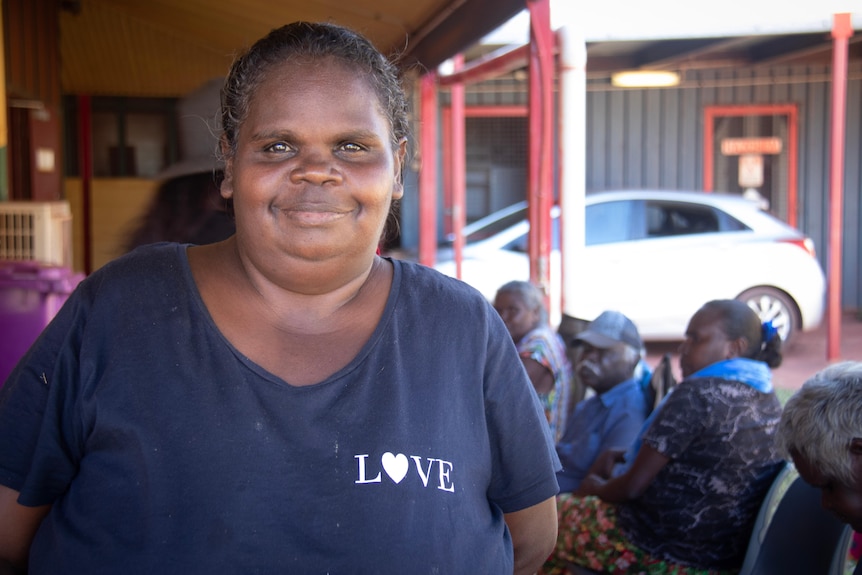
point(30, 295)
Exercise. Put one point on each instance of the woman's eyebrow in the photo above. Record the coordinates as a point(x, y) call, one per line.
point(272, 135)
point(361, 134)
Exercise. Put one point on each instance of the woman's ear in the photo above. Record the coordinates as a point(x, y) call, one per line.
point(736, 347)
point(400, 155)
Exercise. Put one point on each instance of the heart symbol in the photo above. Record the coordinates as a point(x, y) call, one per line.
point(395, 466)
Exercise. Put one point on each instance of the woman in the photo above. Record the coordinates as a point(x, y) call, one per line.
point(688, 502)
point(283, 401)
point(542, 351)
point(821, 431)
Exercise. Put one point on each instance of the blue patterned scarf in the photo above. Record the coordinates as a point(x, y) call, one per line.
point(751, 372)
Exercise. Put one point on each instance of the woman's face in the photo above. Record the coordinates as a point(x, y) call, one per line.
point(519, 319)
point(705, 343)
point(314, 171)
point(844, 501)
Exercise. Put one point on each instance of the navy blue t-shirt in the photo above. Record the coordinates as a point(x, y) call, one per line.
point(165, 450)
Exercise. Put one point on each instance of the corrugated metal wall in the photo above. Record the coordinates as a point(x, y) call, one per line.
point(654, 139)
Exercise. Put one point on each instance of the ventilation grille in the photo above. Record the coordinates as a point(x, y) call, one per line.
point(36, 231)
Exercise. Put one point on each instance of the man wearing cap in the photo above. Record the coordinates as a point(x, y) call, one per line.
point(610, 350)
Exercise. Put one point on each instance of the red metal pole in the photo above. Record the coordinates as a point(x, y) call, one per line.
point(841, 32)
point(491, 66)
point(458, 164)
point(708, 149)
point(793, 171)
point(446, 137)
point(85, 167)
point(540, 163)
point(428, 171)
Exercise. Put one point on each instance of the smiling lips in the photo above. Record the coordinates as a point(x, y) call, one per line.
point(314, 214)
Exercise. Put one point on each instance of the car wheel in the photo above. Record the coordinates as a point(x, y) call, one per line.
point(774, 305)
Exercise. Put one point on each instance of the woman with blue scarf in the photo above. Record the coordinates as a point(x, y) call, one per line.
point(687, 503)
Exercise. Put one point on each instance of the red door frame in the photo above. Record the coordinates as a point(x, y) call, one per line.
point(710, 113)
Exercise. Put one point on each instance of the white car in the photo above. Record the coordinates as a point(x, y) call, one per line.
point(657, 256)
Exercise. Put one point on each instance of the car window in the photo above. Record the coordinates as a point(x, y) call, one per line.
point(520, 243)
point(678, 219)
point(728, 223)
point(609, 222)
point(496, 226)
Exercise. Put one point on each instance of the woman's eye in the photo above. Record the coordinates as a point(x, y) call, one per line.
point(278, 147)
point(351, 147)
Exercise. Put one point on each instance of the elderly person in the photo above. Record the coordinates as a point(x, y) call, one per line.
point(609, 351)
point(688, 502)
point(821, 431)
point(543, 352)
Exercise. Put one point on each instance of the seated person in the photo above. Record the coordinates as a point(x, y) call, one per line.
point(608, 360)
point(689, 500)
point(821, 431)
point(522, 308)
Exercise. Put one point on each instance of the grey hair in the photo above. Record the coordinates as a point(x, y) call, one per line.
point(820, 421)
point(531, 295)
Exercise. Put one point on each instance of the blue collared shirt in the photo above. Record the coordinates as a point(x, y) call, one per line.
point(610, 420)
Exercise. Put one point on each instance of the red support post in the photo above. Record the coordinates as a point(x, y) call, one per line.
point(446, 144)
point(491, 66)
point(841, 32)
point(428, 171)
point(458, 166)
point(85, 167)
point(540, 165)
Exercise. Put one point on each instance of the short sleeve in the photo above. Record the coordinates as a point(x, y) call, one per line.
point(41, 436)
point(523, 455)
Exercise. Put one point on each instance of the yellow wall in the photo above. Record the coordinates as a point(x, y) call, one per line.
point(116, 204)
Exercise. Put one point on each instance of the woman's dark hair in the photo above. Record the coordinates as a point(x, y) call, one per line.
point(740, 321)
point(311, 41)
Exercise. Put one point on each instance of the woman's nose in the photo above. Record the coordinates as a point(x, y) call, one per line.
point(314, 168)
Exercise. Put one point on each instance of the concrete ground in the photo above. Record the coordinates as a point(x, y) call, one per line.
point(804, 357)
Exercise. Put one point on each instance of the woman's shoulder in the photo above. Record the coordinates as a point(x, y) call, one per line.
point(716, 394)
point(429, 284)
point(139, 269)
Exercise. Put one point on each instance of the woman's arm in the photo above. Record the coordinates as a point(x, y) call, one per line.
point(604, 464)
point(18, 525)
point(534, 533)
point(630, 484)
point(540, 375)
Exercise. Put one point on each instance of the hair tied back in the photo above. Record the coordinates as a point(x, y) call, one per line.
point(767, 331)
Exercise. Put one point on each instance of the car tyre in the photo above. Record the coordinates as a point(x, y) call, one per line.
point(774, 305)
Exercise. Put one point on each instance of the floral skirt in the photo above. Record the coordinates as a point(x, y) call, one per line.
point(589, 537)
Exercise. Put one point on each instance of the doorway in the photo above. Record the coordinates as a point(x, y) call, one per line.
point(752, 151)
